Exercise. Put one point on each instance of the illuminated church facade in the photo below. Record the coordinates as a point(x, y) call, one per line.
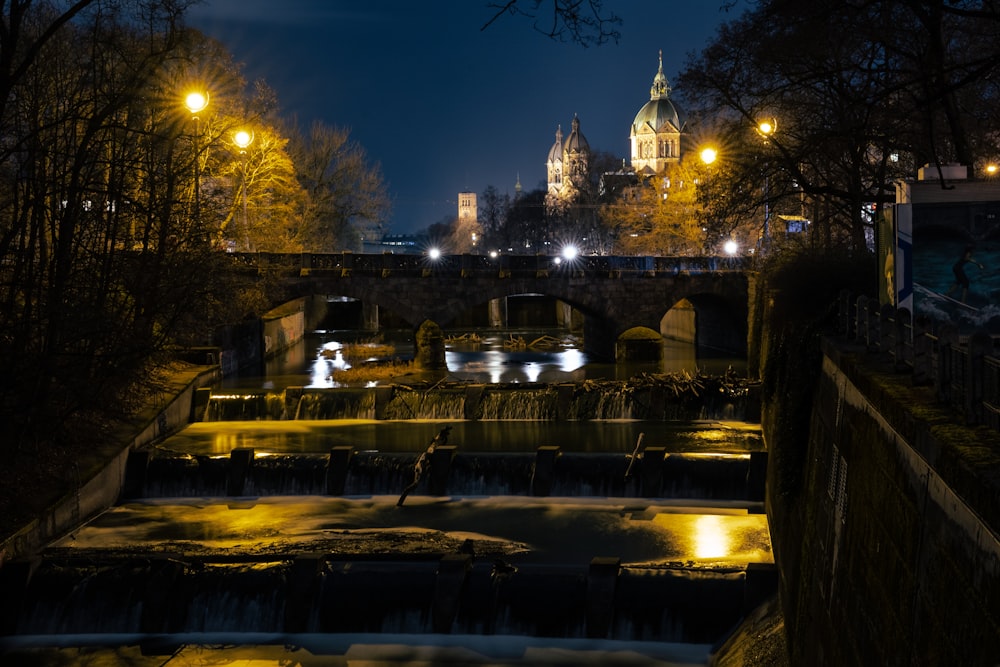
point(567, 166)
point(655, 137)
point(654, 143)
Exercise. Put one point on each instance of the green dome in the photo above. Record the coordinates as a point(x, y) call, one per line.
point(657, 113)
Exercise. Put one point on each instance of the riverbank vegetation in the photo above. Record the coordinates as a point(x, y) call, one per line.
point(119, 196)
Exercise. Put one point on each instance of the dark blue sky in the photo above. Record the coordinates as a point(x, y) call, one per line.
point(443, 106)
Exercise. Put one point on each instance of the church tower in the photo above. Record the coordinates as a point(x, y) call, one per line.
point(655, 137)
point(567, 166)
point(468, 211)
point(554, 165)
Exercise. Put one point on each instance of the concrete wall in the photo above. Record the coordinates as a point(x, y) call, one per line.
point(103, 489)
point(887, 542)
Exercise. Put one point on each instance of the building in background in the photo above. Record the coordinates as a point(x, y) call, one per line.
point(655, 137)
point(468, 233)
point(567, 167)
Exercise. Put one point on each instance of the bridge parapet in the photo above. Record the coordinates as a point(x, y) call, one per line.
point(503, 266)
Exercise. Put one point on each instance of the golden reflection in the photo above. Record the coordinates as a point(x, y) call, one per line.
point(719, 535)
point(711, 537)
point(226, 441)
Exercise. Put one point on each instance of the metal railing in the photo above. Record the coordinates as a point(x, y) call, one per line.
point(962, 369)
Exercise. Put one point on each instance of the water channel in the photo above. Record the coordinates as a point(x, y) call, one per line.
point(269, 531)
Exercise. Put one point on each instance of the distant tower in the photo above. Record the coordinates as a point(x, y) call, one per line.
point(468, 211)
point(467, 233)
point(517, 187)
point(655, 137)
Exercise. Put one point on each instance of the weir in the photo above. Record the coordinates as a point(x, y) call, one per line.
point(380, 596)
point(346, 472)
point(713, 398)
point(621, 513)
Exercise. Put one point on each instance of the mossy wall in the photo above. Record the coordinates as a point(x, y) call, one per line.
point(886, 557)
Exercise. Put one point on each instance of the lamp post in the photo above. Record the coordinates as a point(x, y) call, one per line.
point(196, 103)
point(766, 128)
point(243, 139)
point(708, 157)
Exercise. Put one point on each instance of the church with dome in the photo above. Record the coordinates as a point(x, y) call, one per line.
point(654, 139)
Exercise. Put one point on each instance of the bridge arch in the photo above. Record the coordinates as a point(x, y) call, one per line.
point(613, 294)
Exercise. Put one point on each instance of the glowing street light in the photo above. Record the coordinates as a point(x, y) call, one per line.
point(243, 139)
point(992, 169)
point(731, 247)
point(570, 252)
point(709, 155)
point(434, 253)
point(196, 102)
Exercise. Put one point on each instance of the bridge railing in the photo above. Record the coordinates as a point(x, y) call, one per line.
point(964, 370)
point(387, 264)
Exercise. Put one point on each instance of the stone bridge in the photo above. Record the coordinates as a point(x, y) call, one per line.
point(700, 299)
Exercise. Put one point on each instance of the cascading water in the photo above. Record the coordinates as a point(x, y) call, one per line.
point(506, 402)
point(574, 401)
point(690, 476)
point(674, 603)
point(278, 515)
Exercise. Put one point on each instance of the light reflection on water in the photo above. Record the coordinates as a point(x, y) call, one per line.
point(491, 360)
point(550, 529)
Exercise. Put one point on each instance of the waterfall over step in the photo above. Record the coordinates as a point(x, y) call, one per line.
point(451, 595)
point(350, 473)
point(571, 401)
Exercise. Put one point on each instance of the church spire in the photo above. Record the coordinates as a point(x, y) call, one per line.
point(660, 89)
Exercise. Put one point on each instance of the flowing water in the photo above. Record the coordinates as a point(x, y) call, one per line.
point(566, 521)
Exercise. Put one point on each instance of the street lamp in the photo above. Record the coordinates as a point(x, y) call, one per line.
point(765, 129)
point(196, 103)
point(709, 155)
point(243, 139)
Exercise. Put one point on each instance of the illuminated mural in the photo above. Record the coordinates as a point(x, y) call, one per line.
point(940, 249)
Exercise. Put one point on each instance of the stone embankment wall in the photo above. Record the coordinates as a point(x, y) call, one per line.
point(245, 346)
point(97, 493)
point(884, 521)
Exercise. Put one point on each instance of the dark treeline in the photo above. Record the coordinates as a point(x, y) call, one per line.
point(116, 199)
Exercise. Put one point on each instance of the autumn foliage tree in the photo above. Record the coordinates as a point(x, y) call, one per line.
point(659, 215)
point(115, 200)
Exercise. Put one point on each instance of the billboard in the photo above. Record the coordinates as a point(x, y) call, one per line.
point(946, 252)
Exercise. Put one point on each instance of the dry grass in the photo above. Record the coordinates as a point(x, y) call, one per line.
point(361, 351)
point(371, 372)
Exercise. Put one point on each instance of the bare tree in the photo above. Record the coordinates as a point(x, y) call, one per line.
point(346, 196)
point(585, 22)
point(104, 258)
point(863, 91)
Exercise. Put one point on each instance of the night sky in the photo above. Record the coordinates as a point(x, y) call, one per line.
point(444, 106)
